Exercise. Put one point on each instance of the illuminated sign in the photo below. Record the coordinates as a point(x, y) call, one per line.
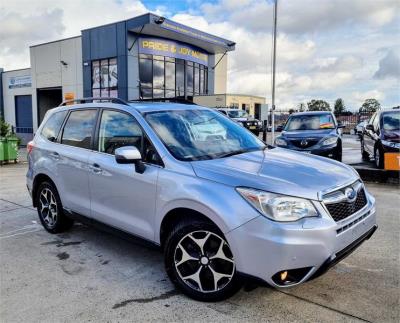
point(163, 47)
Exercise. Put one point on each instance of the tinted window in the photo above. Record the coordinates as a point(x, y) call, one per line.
point(117, 130)
point(310, 122)
point(52, 127)
point(201, 134)
point(79, 128)
point(391, 121)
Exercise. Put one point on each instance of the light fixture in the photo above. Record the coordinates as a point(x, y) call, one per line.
point(64, 63)
point(159, 20)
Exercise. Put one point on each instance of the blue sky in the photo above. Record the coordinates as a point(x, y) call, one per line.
point(326, 48)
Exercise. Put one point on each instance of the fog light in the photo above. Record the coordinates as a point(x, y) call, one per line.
point(290, 276)
point(283, 275)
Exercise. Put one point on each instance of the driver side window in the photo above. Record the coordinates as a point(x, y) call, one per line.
point(117, 130)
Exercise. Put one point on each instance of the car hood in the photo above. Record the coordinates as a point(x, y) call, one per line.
point(277, 170)
point(308, 133)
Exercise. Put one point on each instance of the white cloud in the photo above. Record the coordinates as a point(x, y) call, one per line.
point(326, 48)
point(389, 66)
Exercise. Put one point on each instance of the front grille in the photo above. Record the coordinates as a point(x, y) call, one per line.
point(308, 142)
point(342, 210)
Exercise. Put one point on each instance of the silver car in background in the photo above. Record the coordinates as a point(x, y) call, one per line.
point(220, 203)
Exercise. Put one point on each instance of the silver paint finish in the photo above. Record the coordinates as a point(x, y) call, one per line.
point(138, 203)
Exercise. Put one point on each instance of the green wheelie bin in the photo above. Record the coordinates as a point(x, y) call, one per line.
point(3, 143)
point(11, 151)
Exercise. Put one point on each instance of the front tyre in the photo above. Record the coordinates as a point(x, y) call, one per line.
point(50, 210)
point(200, 263)
point(379, 157)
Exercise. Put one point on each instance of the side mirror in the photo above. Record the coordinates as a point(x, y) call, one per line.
point(130, 155)
point(369, 127)
point(341, 125)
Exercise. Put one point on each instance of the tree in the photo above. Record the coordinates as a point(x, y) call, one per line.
point(339, 107)
point(291, 111)
point(370, 105)
point(318, 105)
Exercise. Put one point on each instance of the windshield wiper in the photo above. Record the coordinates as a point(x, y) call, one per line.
point(235, 152)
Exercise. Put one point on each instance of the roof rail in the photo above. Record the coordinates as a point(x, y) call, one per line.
point(92, 99)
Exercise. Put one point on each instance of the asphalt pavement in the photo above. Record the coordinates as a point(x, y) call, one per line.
point(86, 275)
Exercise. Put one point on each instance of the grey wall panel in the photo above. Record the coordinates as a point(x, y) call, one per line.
point(103, 42)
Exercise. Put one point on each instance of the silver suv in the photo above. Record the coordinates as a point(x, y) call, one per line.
point(220, 203)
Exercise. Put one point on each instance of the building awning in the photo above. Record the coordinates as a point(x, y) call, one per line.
point(151, 24)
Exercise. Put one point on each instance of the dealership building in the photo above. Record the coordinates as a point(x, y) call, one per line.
point(144, 58)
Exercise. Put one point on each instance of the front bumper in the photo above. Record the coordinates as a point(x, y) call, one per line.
point(263, 248)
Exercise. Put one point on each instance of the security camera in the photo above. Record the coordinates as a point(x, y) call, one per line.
point(159, 20)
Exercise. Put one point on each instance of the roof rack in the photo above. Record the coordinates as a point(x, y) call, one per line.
point(93, 99)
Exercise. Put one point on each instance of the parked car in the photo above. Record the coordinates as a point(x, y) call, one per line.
point(221, 207)
point(312, 132)
point(380, 136)
point(358, 130)
point(244, 118)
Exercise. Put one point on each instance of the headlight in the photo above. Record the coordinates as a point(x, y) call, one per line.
point(329, 141)
point(278, 207)
point(280, 142)
point(391, 144)
point(259, 123)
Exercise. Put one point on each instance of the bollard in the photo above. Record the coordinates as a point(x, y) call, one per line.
point(265, 127)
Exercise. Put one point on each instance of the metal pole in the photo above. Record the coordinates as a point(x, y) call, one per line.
point(273, 71)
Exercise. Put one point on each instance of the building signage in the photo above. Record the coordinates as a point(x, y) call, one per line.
point(15, 82)
point(163, 47)
point(170, 25)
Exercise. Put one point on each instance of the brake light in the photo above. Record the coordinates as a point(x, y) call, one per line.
point(30, 147)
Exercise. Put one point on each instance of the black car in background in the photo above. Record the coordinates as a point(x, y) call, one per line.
point(381, 135)
point(315, 132)
point(243, 118)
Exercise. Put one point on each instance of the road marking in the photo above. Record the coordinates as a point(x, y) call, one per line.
point(21, 231)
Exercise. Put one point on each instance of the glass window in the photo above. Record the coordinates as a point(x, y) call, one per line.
point(189, 78)
point(105, 78)
point(146, 72)
point(169, 76)
point(310, 122)
point(158, 74)
point(52, 127)
point(391, 121)
point(180, 78)
point(201, 80)
point(201, 134)
point(196, 79)
point(79, 128)
point(117, 130)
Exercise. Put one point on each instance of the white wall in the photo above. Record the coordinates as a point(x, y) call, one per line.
point(9, 94)
point(48, 71)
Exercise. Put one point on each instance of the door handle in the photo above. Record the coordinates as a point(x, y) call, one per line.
point(55, 155)
point(95, 168)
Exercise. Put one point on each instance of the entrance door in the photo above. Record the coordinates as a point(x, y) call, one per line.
point(47, 99)
point(23, 117)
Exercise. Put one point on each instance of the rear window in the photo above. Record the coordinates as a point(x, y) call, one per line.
point(52, 126)
point(78, 129)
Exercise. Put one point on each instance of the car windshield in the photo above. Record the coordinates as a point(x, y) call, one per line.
point(238, 114)
point(310, 122)
point(391, 121)
point(201, 134)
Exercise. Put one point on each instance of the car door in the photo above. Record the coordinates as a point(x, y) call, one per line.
point(72, 160)
point(369, 136)
point(121, 197)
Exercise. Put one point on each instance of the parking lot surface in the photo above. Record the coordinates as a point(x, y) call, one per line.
point(91, 276)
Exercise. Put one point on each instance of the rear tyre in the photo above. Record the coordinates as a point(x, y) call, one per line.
point(379, 157)
point(50, 209)
point(199, 262)
point(364, 154)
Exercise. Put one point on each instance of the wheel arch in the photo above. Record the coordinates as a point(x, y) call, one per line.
point(178, 214)
point(39, 178)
